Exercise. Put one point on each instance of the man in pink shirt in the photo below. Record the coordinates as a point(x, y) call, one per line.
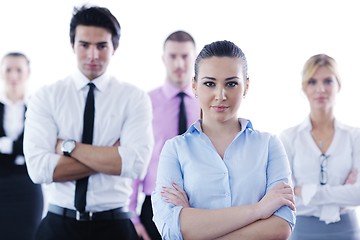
point(178, 57)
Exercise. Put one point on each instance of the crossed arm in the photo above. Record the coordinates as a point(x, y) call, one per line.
point(241, 222)
point(85, 160)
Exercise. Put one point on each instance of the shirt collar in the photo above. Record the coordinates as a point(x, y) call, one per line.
point(245, 124)
point(170, 91)
point(81, 80)
point(306, 125)
point(4, 99)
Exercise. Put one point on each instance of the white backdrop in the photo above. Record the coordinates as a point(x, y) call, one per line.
point(277, 37)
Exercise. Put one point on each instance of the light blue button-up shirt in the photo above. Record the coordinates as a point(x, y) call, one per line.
point(253, 163)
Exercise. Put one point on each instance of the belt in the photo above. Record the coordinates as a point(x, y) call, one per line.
point(113, 214)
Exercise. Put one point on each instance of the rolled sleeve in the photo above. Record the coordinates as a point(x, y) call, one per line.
point(136, 141)
point(6, 145)
point(167, 216)
point(308, 192)
point(40, 135)
point(279, 171)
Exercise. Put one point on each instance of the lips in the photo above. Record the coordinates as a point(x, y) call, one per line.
point(320, 99)
point(220, 108)
point(92, 66)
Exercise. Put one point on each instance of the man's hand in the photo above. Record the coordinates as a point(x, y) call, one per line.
point(141, 231)
point(58, 146)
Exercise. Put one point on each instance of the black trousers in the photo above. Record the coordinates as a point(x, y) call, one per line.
point(55, 227)
point(21, 204)
point(146, 216)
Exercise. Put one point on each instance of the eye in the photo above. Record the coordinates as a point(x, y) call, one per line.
point(232, 84)
point(84, 45)
point(209, 84)
point(312, 82)
point(328, 81)
point(184, 57)
point(102, 46)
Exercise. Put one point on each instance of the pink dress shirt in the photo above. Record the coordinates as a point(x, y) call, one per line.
point(165, 106)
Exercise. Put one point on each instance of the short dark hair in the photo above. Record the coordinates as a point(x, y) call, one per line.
point(98, 17)
point(180, 36)
point(221, 49)
point(17, 54)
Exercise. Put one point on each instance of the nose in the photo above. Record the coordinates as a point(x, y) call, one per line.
point(12, 75)
point(179, 62)
point(93, 52)
point(320, 88)
point(220, 94)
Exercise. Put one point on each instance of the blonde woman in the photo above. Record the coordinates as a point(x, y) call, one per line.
point(324, 155)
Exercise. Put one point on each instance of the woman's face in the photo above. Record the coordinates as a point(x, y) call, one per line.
point(14, 71)
point(220, 88)
point(321, 89)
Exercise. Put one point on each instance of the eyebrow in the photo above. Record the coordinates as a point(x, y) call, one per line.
point(226, 79)
point(85, 42)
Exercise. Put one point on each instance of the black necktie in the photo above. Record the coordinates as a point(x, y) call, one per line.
point(81, 184)
point(182, 114)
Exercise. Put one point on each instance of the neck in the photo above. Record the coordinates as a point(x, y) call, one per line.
point(216, 128)
point(322, 130)
point(322, 120)
point(15, 95)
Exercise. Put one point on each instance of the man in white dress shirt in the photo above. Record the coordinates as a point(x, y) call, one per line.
point(55, 146)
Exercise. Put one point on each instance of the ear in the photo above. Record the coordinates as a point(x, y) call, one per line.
point(194, 86)
point(113, 52)
point(246, 87)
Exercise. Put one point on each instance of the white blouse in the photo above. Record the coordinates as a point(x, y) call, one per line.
point(327, 201)
point(13, 123)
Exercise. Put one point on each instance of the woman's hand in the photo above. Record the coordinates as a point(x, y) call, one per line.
point(297, 191)
point(352, 177)
point(176, 196)
point(280, 195)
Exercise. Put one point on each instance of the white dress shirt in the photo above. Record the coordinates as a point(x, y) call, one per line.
point(122, 111)
point(327, 201)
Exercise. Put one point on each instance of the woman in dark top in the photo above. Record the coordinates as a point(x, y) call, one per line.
point(21, 200)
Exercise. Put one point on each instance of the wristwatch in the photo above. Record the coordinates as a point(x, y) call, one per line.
point(67, 146)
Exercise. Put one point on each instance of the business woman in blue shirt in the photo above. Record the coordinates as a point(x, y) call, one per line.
point(223, 179)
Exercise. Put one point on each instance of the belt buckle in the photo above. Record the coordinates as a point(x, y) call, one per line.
point(84, 216)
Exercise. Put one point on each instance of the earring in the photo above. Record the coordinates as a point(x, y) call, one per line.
point(196, 96)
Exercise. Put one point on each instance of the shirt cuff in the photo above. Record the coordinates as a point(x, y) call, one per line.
point(20, 160)
point(6, 145)
point(307, 193)
point(133, 166)
point(330, 214)
point(135, 220)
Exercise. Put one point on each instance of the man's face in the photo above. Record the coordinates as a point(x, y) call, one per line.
point(179, 59)
point(93, 48)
